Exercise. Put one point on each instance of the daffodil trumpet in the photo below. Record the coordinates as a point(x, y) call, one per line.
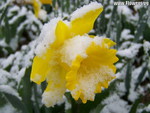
point(70, 59)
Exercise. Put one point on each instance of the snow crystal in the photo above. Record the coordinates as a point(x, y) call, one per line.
point(124, 10)
point(8, 108)
point(14, 43)
point(4, 76)
point(46, 37)
point(108, 9)
point(125, 45)
point(119, 65)
point(22, 12)
point(13, 9)
point(78, 45)
point(126, 34)
point(114, 104)
point(30, 20)
point(19, 59)
point(83, 10)
point(3, 43)
point(42, 15)
point(148, 108)
point(67, 104)
point(130, 52)
point(137, 7)
point(133, 95)
point(146, 46)
point(98, 40)
point(118, 75)
point(20, 74)
point(121, 88)
point(5, 63)
point(9, 90)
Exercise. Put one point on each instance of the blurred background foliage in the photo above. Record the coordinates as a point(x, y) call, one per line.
point(128, 26)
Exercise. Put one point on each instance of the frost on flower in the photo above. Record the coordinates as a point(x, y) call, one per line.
point(68, 58)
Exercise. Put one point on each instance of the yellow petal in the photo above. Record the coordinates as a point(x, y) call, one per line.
point(71, 75)
point(56, 86)
point(88, 75)
point(84, 23)
point(37, 7)
point(102, 54)
point(40, 67)
point(61, 33)
point(46, 1)
point(109, 42)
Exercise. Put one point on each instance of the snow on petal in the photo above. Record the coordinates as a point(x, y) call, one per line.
point(82, 20)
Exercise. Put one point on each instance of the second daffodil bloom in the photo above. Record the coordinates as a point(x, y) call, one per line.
point(40, 13)
point(68, 58)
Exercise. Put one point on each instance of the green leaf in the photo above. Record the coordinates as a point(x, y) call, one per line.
point(16, 102)
point(142, 23)
point(128, 77)
point(2, 100)
point(36, 104)
point(25, 91)
point(134, 106)
point(3, 14)
point(141, 75)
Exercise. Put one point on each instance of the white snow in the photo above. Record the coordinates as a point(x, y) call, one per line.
point(4, 76)
point(29, 21)
point(13, 9)
point(119, 65)
point(126, 34)
point(42, 14)
point(46, 37)
point(23, 59)
point(108, 9)
point(146, 46)
point(130, 52)
point(86, 8)
point(21, 73)
point(127, 12)
point(148, 108)
point(113, 104)
point(9, 90)
point(5, 63)
point(3, 43)
point(78, 45)
point(121, 90)
point(14, 43)
point(137, 7)
point(8, 108)
point(67, 103)
point(124, 10)
point(133, 95)
point(22, 12)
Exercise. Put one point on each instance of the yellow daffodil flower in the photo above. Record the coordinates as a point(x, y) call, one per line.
point(68, 58)
point(37, 7)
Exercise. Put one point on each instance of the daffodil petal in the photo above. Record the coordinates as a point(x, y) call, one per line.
point(56, 86)
point(37, 7)
point(109, 42)
point(71, 75)
point(46, 1)
point(102, 54)
point(91, 69)
point(89, 80)
point(61, 33)
point(40, 67)
point(82, 20)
